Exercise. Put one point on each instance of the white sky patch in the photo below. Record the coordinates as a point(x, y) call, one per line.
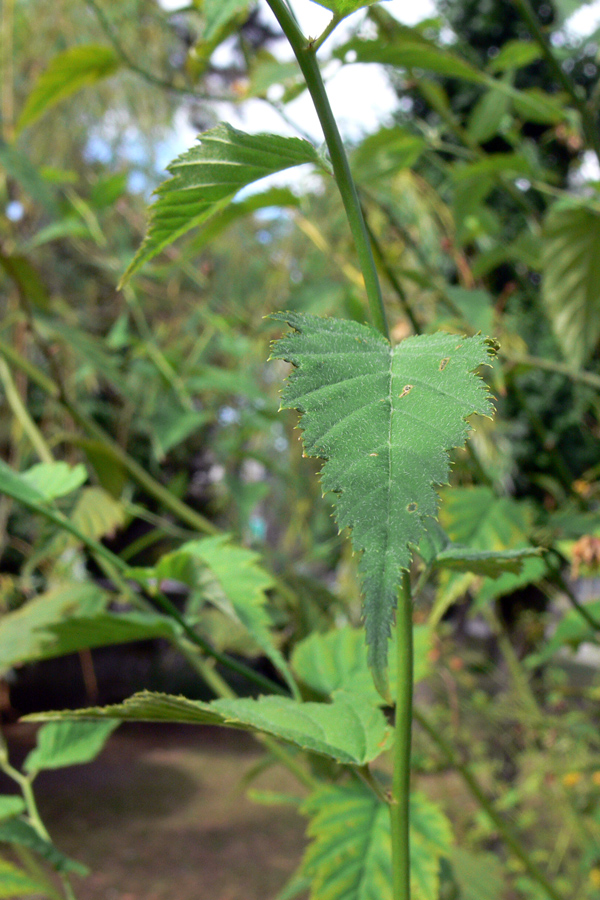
point(585, 20)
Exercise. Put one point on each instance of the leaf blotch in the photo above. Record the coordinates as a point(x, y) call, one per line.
point(412, 507)
point(444, 363)
point(405, 390)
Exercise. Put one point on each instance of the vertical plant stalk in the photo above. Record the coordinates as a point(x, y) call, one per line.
point(399, 807)
point(305, 53)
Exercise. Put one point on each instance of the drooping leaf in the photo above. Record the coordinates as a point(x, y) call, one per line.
point(476, 519)
point(10, 805)
point(78, 632)
point(67, 73)
point(20, 832)
point(242, 582)
point(349, 824)
point(570, 279)
point(343, 8)
point(61, 744)
point(14, 882)
point(97, 514)
point(337, 660)
point(383, 418)
point(55, 479)
point(349, 730)
point(24, 633)
point(207, 177)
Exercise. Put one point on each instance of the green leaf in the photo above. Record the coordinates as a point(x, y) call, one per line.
point(207, 177)
point(409, 50)
point(337, 660)
point(14, 485)
point(218, 13)
point(487, 116)
point(476, 519)
point(172, 426)
point(571, 631)
point(61, 744)
point(24, 633)
point(349, 730)
point(67, 73)
point(570, 279)
point(27, 279)
point(97, 514)
point(386, 152)
point(10, 805)
point(55, 479)
point(515, 55)
point(15, 882)
point(383, 418)
point(242, 583)
point(349, 825)
point(343, 8)
point(479, 876)
point(437, 550)
point(20, 832)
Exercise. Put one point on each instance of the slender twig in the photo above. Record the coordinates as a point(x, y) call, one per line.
point(333, 24)
point(399, 807)
point(589, 126)
point(510, 838)
point(307, 60)
point(22, 415)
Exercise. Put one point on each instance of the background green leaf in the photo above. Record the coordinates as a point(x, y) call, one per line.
point(61, 744)
point(68, 72)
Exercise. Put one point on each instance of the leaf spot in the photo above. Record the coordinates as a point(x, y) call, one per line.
point(444, 363)
point(412, 507)
point(406, 390)
point(373, 454)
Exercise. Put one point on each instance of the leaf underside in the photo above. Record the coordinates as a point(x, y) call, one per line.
point(384, 419)
point(208, 176)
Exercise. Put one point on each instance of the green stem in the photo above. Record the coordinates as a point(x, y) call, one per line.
point(393, 280)
point(307, 60)
point(22, 415)
point(333, 24)
point(399, 807)
point(509, 837)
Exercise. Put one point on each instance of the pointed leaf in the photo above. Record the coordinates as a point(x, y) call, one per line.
point(410, 50)
point(383, 418)
point(67, 73)
point(514, 55)
point(436, 549)
point(571, 279)
point(349, 825)
point(61, 744)
point(207, 177)
point(350, 729)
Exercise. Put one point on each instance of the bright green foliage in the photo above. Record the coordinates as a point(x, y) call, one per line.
point(383, 418)
point(241, 585)
point(349, 730)
point(21, 833)
point(10, 805)
point(96, 514)
point(571, 275)
point(475, 518)
point(68, 72)
point(56, 479)
point(343, 8)
point(349, 857)
point(14, 485)
point(14, 882)
point(514, 55)
point(61, 744)
point(408, 50)
point(337, 660)
point(207, 177)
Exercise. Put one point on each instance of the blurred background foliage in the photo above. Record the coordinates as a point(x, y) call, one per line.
point(482, 201)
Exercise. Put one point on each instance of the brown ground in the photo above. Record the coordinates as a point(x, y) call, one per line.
point(160, 814)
